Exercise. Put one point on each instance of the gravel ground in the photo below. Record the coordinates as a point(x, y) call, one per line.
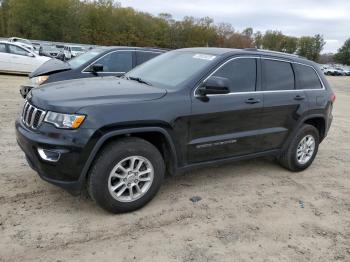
point(249, 211)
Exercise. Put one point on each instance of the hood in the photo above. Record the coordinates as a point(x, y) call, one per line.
point(49, 67)
point(71, 95)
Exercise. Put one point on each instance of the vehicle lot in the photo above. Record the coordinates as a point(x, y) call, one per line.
point(250, 210)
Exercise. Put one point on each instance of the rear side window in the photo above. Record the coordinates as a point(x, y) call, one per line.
point(307, 77)
point(142, 57)
point(17, 50)
point(277, 75)
point(241, 73)
point(2, 48)
point(120, 61)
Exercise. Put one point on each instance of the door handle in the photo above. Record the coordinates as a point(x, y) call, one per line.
point(252, 100)
point(299, 97)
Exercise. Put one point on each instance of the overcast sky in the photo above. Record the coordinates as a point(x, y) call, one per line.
point(294, 17)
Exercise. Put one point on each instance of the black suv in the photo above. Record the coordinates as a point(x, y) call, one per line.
point(183, 109)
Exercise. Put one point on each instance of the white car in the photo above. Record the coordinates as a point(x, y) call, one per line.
point(22, 42)
point(14, 58)
point(71, 51)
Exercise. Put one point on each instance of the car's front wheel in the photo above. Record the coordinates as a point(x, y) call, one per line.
point(302, 150)
point(126, 175)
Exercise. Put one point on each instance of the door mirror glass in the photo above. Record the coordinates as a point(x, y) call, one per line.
point(30, 55)
point(215, 85)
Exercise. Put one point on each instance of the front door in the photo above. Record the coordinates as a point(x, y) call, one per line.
point(226, 125)
point(21, 61)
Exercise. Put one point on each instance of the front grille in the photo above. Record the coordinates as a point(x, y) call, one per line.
point(32, 116)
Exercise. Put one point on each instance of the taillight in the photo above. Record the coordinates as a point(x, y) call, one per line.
point(333, 97)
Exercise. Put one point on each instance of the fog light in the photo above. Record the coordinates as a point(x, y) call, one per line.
point(49, 155)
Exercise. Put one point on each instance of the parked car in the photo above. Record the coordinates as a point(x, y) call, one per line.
point(334, 71)
point(22, 42)
point(71, 51)
point(102, 61)
point(36, 46)
point(49, 51)
point(14, 58)
point(341, 71)
point(60, 54)
point(347, 71)
point(181, 110)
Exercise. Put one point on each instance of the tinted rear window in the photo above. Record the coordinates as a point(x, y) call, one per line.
point(241, 73)
point(277, 75)
point(307, 77)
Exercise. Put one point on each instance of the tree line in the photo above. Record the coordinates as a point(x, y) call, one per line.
point(106, 22)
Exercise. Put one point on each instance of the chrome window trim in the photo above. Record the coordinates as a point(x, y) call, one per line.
point(83, 71)
point(261, 91)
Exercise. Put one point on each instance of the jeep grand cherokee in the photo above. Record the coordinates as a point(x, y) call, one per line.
point(184, 109)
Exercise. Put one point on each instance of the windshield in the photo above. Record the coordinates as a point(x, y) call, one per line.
point(82, 59)
point(172, 68)
point(76, 48)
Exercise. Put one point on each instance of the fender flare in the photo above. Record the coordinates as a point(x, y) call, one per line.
point(119, 132)
point(300, 123)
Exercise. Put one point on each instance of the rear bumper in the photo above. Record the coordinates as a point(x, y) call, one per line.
point(66, 172)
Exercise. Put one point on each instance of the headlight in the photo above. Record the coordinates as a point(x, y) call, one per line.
point(64, 120)
point(39, 80)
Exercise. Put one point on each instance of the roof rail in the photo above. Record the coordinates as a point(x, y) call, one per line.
point(251, 49)
point(273, 52)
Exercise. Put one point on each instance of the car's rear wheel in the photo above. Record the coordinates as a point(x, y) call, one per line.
point(302, 149)
point(126, 175)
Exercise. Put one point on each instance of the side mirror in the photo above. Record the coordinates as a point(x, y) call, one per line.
point(30, 55)
point(215, 85)
point(96, 68)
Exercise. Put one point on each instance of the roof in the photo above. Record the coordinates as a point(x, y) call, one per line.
point(129, 47)
point(246, 51)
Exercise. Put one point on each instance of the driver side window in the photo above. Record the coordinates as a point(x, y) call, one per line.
point(17, 50)
point(116, 62)
point(241, 73)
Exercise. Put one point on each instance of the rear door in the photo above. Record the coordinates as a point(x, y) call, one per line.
point(283, 103)
point(226, 125)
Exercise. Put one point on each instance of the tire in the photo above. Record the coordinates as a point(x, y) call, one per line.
point(289, 158)
point(113, 166)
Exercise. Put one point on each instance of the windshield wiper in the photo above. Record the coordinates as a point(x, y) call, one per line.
point(138, 79)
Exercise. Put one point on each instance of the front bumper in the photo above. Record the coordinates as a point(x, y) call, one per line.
point(66, 172)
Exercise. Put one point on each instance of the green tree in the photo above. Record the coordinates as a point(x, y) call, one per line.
point(290, 44)
point(311, 47)
point(258, 39)
point(273, 40)
point(343, 54)
point(105, 22)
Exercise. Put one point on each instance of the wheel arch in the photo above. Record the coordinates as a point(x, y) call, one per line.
point(317, 120)
point(150, 134)
point(320, 123)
